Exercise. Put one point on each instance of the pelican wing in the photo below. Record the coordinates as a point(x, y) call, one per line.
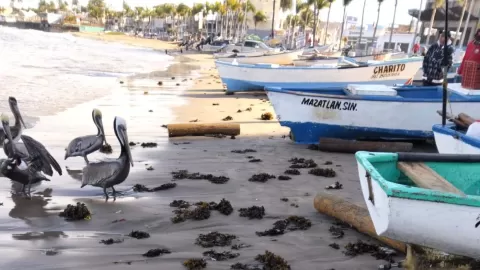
point(80, 144)
point(96, 174)
point(39, 157)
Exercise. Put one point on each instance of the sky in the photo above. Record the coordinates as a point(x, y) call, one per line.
point(354, 9)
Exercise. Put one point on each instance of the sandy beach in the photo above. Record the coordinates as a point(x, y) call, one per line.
point(35, 237)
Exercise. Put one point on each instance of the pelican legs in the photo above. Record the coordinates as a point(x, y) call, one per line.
point(86, 159)
point(106, 194)
point(114, 194)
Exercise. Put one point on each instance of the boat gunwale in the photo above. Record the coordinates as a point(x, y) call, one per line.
point(255, 56)
point(401, 191)
point(269, 66)
point(447, 130)
point(304, 93)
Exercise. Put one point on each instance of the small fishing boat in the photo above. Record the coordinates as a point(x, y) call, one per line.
point(364, 111)
point(451, 75)
point(249, 77)
point(431, 200)
point(279, 58)
point(324, 59)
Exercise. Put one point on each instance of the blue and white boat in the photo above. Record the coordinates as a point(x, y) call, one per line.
point(365, 111)
point(238, 77)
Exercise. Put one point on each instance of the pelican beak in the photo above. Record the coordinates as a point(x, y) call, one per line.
point(83, 185)
point(16, 112)
point(6, 127)
point(124, 135)
point(99, 121)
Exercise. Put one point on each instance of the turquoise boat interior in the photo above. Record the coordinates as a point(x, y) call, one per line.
point(465, 176)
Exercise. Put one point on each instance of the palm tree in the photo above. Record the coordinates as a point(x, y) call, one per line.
point(328, 20)
point(361, 25)
point(183, 11)
point(258, 17)
point(345, 4)
point(317, 6)
point(464, 7)
point(393, 24)
point(246, 8)
point(467, 21)
point(437, 4)
point(196, 9)
point(284, 6)
point(378, 18)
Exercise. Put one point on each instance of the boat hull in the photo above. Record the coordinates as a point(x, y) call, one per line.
point(449, 141)
point(282, 58)
point(245, 77)
point(444, 226)
point(312, 116)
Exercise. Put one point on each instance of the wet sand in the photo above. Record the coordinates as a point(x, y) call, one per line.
point(29, 228)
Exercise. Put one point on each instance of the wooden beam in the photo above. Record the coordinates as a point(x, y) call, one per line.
point(424, 177)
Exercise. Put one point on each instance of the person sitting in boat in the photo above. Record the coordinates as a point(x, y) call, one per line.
point(433, 61)
point(472, 53)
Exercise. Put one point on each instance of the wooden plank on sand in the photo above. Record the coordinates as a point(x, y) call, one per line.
point(424, 177)
point(350, 146)
point(190, 129)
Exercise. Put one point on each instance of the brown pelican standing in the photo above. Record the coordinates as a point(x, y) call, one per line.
point(34, 159)
point(19, 125)
point(82, 146)
point(107, 174)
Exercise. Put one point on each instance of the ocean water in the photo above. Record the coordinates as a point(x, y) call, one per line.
point(58, 79)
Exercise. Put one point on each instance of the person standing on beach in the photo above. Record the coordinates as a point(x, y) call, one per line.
point(433, 61)
point(472, 53)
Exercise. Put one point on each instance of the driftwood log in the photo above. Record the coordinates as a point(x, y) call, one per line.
point(180, 130)
point(353, 214)
point(350, 146)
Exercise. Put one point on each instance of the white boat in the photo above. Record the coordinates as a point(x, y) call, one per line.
point(280, 58)
point(247, 77)
point(248, 46)
point(323, 59)
point(364, 111)
point(431, 200)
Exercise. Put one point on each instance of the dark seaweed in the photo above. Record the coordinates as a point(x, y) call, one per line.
point(300, 163)
point(244, 151)
point(156, 252)
point(75, 212)
point(242, 266)
point(360, 247)
point(252, 212)
point(334, 246)
point(292, 223)
point(284, 178)
point(142, 188)
point(148, 145)
point(272, 262)
point(228, 118)
point(195, 264)
point(284, 199)
point(220, 256)
point(214, 239)
point(201, 212)
point(336, 232)
point(106, 149)
point(111, 241)
point(184, 174)
point(139, 235)
point(180, 204)
point(337, 185)
point(262, 177)
point(255, 160)
point(323, 172)
point(292, 172)
point(240, 246)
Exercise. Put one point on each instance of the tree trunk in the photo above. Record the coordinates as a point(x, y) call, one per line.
point(431, 26)
point(326, 28)
point(343, 26)
point(460, 22)
point(376, 23)
point(361, 25)
point(314, 23)
point(467, 22)
point(393, 23)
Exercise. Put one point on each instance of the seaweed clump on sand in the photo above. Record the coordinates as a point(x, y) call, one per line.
point(195, 264)
point(184, 174)
point(360, 247)
point(242, 266)
point(228, 118)
point(266, 116)
point(224, 207)
point(261, 177)
point(252, 212)
point(200, 212)
point(106, 149)
point(214, 239)
point(180, 204)
point(337, 185)
point(156, 252)
point(323, 172)
point(272, 261)
point(292, 172)
point(244, 151)
point(111, 241)
point(142, 188)
point(301, 163)
point(220, 256)
point(139, 234)
point(148, 145)
point(292, 223)
point(284, 178)
point(336, 232)
point(76, 212)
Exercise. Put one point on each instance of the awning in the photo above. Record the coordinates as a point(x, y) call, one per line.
point(454, 14)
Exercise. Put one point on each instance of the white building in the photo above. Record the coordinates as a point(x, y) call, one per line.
point(265, 28)
point(382, 38)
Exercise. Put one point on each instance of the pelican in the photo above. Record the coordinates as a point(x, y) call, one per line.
point(19, 125)
point(82, 146)
point(107, 174)
point(28, 165)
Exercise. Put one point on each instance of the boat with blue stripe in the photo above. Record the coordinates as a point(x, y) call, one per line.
point(365, 111)
point(249, 77)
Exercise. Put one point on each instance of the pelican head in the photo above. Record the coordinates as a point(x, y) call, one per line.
point(120, 127)
point(16, 112)
point(97, 119)
point(6, 126)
